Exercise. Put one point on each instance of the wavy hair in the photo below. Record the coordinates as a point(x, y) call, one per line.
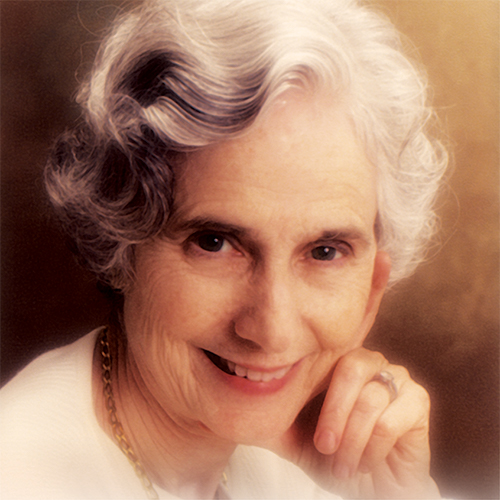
point(177, 75)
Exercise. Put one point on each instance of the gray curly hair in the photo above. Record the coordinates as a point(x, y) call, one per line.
point(176, 75)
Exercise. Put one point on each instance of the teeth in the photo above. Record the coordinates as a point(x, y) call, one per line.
point(240, 371)
point(256, 376)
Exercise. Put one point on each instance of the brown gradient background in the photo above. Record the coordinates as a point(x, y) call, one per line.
point(442, 323)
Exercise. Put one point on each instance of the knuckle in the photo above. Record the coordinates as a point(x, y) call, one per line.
point(375, 357)
point(423, 397)
point(384, 429)
point(333, 414)
point(400, 372)
point(351, 367)
point(371, 400)
point(418, 393)
point(378, 357)
point(359, 363)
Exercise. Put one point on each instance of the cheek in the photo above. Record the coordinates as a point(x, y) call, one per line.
point(337, 317)
point(166, 319)
point(336, 324)
point(178, 305)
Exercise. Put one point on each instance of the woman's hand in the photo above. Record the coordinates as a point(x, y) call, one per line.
point(356, 442)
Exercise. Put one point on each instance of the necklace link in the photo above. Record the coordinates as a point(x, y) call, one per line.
point(118, 432)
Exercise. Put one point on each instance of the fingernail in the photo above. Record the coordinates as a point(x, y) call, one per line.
point(341, 471)
point(325, 442)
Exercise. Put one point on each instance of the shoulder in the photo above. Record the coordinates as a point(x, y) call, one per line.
point(48, 431)
point(256, 473)
point(51, 382)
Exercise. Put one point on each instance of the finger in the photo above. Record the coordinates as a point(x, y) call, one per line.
point(371, 404)
point(405, 420)
point(351, 374)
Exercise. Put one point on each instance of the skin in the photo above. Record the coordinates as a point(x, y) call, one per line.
point(270, 261)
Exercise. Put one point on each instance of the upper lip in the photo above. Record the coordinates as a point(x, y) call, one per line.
point(264, 369)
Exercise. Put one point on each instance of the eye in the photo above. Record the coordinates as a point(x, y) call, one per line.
point(211, 242)
point(325, 253)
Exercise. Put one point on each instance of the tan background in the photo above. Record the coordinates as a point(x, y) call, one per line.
point(442, 323)
point(445, 319)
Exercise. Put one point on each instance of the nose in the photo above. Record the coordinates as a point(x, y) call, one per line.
point(269, 316)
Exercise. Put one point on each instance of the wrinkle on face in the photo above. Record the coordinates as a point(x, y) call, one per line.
point(299, 179)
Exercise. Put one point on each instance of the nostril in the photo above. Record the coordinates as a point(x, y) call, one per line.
point(255, 333)
point(242, 341)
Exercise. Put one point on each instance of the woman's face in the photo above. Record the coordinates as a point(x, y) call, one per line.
point(266, 275)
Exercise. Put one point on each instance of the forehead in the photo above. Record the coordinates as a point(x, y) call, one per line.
point(302, 156)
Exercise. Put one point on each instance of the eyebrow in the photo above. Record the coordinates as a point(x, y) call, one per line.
point(202, 223)
point(347, 233)
point(181, 225)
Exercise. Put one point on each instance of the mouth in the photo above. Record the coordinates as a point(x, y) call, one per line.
point(240, 371)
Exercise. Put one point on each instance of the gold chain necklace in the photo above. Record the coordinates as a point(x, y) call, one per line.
point(116, 425)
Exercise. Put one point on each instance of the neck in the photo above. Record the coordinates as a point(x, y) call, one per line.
point(183, 458)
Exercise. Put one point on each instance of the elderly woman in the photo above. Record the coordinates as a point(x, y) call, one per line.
point(247, 179)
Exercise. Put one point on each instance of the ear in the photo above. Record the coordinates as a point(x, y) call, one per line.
point(380, 277)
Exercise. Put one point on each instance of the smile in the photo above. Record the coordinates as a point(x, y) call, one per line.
point(240, 371)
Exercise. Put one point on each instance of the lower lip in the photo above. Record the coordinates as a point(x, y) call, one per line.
point(249, 387)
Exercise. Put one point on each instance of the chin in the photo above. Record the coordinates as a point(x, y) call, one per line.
point(254, 427)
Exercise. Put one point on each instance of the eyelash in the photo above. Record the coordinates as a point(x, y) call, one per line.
point(194, 241)
point(341, 248)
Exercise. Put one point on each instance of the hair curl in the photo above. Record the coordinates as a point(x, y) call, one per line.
point(175, 75)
